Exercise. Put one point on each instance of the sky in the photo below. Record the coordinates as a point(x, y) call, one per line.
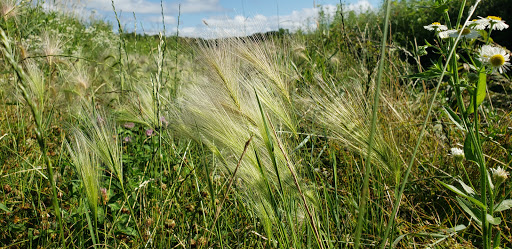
point(215, 18)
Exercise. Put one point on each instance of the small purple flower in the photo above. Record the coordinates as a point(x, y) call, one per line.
point(127, 139)
point(129, 125)
point(164, 121)
point(104, 195)
point(149, 132)
point(100, 120)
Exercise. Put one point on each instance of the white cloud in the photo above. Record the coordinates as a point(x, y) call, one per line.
point(305, 19)
point(149, 13)
point(360, 6)
point(196, 6)
point(154, 7)
point(137, 6)
point(158, 19)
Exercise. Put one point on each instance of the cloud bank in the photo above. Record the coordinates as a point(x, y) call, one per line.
point(215, 23)
point(304, 19)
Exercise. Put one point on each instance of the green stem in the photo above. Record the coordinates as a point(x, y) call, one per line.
point(483, 176)
point(55, 203)
point(466, 174)
point(23, 79)
point(489, 34)
point(368, 166)
point(132, 213)
point(91, 229)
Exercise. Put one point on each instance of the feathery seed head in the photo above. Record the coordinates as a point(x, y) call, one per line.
point(51, 46)
point(86, 164)
point(8, 8)
point(499, 175)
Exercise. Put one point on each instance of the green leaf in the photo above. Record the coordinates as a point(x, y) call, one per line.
point(130, 231)
point(432, 73)
point(474, 213)
point(469, 190)
point(442, 8)
point(493, 220)
point(457, 191)
point(114, 206)
point(454, 117)
point(455, 229)
point(301, 144)
point(504, 205)
point(481, 88)
point(497, 240)
point(469, 149)
point(4, 207)
point(395, 242)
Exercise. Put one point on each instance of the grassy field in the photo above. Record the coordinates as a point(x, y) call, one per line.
point(355, 135)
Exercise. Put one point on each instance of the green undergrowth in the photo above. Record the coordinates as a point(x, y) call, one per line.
point(254, 142)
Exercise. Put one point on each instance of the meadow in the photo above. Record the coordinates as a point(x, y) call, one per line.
point(382, 129)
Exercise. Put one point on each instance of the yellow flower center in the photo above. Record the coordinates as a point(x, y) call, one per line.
point(497, 60)
point(436, 24)
point(465, 31)
point(494, 18)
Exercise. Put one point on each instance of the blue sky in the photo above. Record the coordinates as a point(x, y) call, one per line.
point(215, 18)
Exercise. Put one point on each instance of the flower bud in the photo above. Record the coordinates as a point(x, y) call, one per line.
point(457, 153)
point(499, 175)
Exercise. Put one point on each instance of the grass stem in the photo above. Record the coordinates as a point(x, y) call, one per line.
point(375, 107)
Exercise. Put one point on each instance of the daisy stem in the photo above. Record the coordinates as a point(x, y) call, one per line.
point(466, 174)
point(489, 35)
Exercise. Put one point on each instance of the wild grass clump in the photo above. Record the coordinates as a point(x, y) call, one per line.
point(244, 96)
point(345, 115)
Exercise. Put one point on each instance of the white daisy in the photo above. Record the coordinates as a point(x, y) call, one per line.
point(435, 26)
point(496, 57)
point(494, 22)
point(464, 33)
point(445, 34)
point(478, 24)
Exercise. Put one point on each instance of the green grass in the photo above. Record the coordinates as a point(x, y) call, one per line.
point(168, 142)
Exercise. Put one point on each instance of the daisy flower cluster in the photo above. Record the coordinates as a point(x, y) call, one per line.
point(471, 31)
point(491, 22)
point(495, 57)
point(444, 32)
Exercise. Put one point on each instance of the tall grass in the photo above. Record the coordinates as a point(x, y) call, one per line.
point(32, 87)
point(222, 109)
point(87, 165)
point(268, 141)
